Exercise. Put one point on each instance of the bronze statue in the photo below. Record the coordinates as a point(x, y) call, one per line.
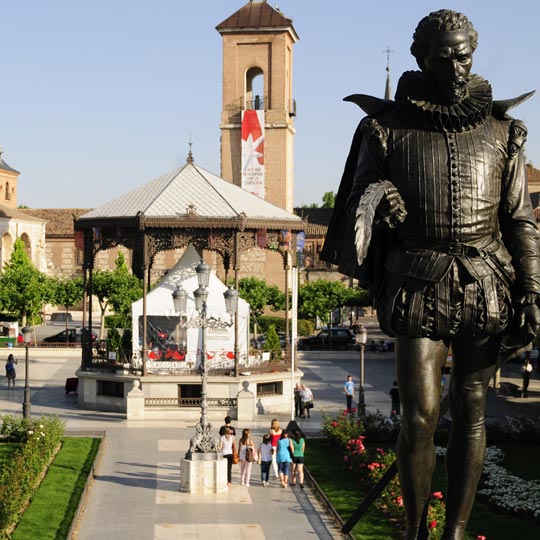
point(437, 177)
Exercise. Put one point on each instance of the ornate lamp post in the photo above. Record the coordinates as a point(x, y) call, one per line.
point(202, 441)
point(361, 339)
point(27, 407)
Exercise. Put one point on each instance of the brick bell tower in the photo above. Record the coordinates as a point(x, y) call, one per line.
point(257, 119)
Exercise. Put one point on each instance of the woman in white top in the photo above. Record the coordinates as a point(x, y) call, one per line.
point(226, 443)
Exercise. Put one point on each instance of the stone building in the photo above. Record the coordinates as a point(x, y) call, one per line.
point(16, 224)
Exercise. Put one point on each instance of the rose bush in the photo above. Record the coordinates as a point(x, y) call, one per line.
point(39, 439)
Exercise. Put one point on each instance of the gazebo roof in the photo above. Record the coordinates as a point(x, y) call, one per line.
point(191, 196)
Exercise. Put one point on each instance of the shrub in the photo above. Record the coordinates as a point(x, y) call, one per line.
point(39, 440)
point(114, 342)
point(305, 327)
point(265, 322)
point(272, 342)
point(343, 428)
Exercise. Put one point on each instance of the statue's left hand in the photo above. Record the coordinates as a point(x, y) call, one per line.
point(529, 315)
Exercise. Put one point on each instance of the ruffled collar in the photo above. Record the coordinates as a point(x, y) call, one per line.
point(420, 108)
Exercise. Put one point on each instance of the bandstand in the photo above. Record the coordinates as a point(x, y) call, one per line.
point(188, 206)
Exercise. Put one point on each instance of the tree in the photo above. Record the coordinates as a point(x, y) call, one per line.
point(126, 289)
point(68, 292)
point(319, 298)
point(118, 289)
point(258, 294)
point(329, 199)
point(24, 290)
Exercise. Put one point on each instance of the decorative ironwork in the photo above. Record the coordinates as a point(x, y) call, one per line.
point(190, 402)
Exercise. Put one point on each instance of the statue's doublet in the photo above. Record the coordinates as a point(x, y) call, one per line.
point(461, 174)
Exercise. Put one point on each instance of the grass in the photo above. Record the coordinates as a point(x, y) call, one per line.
point(332, 477)
point(344, 494)
point(53, 507)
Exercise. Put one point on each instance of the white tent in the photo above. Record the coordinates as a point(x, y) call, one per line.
point(172, 347)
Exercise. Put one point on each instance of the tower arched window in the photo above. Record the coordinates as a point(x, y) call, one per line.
point(8, 192)
point(254, 96)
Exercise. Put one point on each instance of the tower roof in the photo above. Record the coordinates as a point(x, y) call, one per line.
point(257, 16)
point(4, 166)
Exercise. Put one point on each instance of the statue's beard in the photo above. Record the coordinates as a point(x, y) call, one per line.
point(450, 94)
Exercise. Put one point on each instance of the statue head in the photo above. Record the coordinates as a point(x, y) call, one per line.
point(443, 45)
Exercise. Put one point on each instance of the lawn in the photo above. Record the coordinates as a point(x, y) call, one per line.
point(345, 495)
point(53, 507)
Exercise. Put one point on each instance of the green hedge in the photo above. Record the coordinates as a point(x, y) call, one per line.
point(18, 481)
point(305, 327)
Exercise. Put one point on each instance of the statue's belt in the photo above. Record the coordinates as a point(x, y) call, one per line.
point(456, 248)
point(430, 261)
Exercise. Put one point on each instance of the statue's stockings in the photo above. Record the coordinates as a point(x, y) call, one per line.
point(419, 363)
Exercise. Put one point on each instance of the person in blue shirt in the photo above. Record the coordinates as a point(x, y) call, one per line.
point(283, 458)
point(348, 388)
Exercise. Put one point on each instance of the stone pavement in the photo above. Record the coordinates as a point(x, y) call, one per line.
point(135, 494)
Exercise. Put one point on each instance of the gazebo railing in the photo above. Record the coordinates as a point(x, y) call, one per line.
point(229, 403)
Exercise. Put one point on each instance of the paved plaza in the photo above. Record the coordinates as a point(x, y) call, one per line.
point(135, 494)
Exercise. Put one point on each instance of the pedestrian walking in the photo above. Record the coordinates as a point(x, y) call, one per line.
point(526, 371)
point(307, 401)
point(247, 457)
point(11, 374)
point(265, 455)
point(396, 403)
point(275, 434)
point(297, 400)
point(226, 447)
point(299, 447)
point(348, 388)
point(228, 425)
point(284, 459)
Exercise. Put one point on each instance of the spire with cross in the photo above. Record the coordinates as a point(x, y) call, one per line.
point(388, 90)
point(190, 153)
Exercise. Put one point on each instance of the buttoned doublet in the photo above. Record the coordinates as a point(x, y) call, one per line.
point(469, 242)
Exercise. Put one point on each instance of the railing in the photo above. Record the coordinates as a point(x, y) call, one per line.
point(190, 402)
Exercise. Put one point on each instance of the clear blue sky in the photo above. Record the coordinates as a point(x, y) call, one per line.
point(98, 97)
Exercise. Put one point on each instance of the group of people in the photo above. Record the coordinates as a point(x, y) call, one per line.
point(279, 451)
point(303, 400)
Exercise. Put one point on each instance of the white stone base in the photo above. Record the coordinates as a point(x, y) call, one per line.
point(203, 476)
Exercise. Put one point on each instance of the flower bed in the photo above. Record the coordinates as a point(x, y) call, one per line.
point(504, 491)
point(39, 440)
point(350, 434)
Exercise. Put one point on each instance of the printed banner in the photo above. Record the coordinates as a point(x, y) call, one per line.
point(253, 152)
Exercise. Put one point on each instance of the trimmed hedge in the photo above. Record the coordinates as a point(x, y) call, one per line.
point(38, 440)
point(305, 327)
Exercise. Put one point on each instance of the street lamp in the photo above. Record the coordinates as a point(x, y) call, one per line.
point(361, 338)
point(27, 407)
point(202, 441)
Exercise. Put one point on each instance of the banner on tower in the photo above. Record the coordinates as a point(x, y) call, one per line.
point(253, 152)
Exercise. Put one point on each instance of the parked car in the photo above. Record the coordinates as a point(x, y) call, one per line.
point(71, 335)
point(328, 338)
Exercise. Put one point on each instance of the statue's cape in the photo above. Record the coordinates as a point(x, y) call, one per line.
point(339, 245)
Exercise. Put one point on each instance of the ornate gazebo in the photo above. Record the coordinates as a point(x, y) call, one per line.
point(189, 205)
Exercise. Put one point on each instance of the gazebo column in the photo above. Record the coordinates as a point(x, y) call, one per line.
point(236, 333)
point(287, 271)
point(144, 268)
point(88, 289)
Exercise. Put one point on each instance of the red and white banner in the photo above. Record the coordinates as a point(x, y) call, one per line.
point(253, 152)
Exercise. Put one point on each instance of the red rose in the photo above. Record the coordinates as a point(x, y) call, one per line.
point(432, 524)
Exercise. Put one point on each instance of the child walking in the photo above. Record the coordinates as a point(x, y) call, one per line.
point(266, 451)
